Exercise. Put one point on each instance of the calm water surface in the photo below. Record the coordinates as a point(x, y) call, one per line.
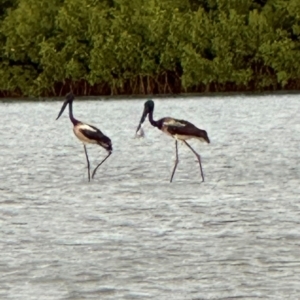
point(130, 234)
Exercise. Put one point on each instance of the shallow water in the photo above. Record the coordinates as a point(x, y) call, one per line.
point(129, 233)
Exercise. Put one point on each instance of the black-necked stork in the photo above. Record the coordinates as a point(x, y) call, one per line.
point(179, 129)
point(87, 134)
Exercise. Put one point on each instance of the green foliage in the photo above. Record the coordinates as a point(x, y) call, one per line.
point(139, 46)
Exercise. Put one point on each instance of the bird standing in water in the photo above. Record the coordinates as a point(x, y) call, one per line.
point(87, 134)
point(179, 129)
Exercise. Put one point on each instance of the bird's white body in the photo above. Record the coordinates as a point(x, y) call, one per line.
point(77, 131)
point(181, 137)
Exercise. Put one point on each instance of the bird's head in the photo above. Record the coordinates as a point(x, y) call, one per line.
point(69, 99)
point(148, 107)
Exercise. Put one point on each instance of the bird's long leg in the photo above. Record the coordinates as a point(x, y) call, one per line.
point(101, 164)
point(88, 162)
point(198, 157)
point(176, 161)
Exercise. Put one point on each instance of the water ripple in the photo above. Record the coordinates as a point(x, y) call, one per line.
point(130, 234)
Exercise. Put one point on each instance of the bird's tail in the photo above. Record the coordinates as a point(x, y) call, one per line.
point(202, 134)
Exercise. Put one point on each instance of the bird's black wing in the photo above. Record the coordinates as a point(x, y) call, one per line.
point(92, 135)
point(98, 136)
point(182, 127)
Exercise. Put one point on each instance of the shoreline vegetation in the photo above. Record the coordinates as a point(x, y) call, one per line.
point(154, 47)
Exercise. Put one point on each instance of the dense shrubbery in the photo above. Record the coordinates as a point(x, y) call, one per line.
point(148, 46)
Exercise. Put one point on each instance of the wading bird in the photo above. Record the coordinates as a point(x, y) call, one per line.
point(179, 129)
point(87, 134)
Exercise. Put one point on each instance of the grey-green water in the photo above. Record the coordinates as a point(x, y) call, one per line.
point(130, 234)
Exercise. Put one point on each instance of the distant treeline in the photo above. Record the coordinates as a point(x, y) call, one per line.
point(103, 47)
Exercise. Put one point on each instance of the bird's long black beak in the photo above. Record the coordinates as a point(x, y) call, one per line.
point(69, 99)
point(63, 108)
point(145, 112)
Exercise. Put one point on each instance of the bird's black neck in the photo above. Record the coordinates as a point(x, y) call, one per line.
point(73, 120)
point(152, 122)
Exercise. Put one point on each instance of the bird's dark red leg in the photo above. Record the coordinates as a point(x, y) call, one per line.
point(198, 157)
point(101, 164)
point(176, 161)
point(88, 162)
